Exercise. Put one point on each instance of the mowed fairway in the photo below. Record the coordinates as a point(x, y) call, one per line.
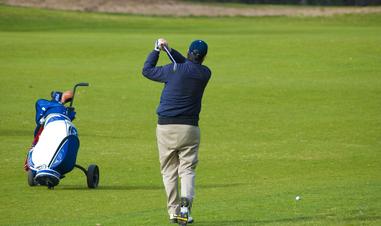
point(293, 108)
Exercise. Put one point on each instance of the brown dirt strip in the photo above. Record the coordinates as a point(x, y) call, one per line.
point(180, 8)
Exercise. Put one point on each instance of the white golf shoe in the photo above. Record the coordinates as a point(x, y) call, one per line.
point(185, 208)
point(173, 218)
point(190, 220)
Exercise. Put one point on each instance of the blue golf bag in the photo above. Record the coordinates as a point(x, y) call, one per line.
point(54, 151)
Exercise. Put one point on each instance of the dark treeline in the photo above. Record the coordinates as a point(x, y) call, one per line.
point(302, 2)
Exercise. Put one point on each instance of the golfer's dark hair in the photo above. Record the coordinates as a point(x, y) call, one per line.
point(196, 58)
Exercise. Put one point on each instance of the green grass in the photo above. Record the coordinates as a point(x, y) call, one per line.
point(293, 108)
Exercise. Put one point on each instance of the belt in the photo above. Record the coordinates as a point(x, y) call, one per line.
point(184, 120)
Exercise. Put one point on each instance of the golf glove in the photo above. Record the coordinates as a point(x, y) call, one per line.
point(157, 48)
point(160, 43)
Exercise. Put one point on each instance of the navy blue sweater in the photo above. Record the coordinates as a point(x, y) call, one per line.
point(180, 101)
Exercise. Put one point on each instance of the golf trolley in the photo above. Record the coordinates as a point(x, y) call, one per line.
point(56, 145)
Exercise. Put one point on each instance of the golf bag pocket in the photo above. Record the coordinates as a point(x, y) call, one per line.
point(66, 155)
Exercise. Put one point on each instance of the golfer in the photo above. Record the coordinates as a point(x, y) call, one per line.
point(178, 134)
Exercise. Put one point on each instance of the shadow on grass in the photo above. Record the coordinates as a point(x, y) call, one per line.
point(136, 187)
point(110, 187)
point(16, 133)
point(254, 222)
point(206, 186)
point(296, 219)
point(363, 218)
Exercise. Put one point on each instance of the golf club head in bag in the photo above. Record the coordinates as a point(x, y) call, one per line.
point(75, 88)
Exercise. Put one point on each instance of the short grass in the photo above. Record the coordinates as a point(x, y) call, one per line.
point(293, 108)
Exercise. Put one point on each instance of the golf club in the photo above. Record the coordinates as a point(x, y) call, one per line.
point(74, 89)
point(170, 55)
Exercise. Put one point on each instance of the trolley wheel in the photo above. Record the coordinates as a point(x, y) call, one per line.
point(92, 176)
point(31, 181)
point(182, 223)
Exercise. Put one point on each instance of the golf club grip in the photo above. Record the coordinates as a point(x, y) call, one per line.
point(83, 84)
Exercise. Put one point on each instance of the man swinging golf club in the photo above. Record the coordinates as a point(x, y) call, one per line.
point(178, 134)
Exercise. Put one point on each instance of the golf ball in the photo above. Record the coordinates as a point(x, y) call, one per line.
point(297, 198)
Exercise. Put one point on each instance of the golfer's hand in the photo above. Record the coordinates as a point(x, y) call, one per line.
point(160, 43)
point(157, 47)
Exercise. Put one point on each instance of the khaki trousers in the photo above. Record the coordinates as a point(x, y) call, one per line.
point(178, 153)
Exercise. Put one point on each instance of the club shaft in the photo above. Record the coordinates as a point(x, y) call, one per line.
point(170, 55)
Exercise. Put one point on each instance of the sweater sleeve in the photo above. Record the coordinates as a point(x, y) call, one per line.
point(150, 70)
